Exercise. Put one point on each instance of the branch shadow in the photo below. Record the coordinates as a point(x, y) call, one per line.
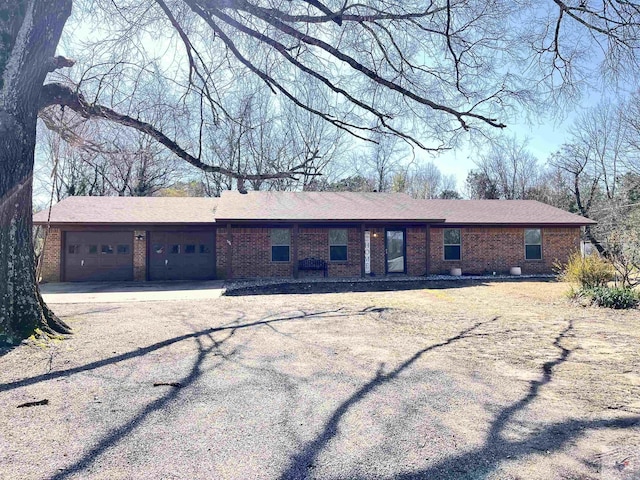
point(119, 433)
point(497, 448)
point(305, 458)
point(6, 348)
point(479, 462)
point(235, 325)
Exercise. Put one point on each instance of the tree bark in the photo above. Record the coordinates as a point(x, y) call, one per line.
point(29, 33)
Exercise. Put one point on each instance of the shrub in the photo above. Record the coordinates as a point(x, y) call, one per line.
point(614, 297)
point(589, 272)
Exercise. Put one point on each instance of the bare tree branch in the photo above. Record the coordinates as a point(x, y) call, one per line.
point(58, 94)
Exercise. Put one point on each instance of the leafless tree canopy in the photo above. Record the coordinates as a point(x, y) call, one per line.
point(599, 163)
point(422, 71)
point(94, 158)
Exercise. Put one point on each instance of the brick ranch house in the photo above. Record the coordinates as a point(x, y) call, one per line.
point(270, 234)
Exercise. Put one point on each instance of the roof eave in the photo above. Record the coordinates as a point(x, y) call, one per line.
point(328, 220)
point(517, 224)
point(118, 224)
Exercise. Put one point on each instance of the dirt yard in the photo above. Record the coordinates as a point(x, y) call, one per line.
point(489, 381)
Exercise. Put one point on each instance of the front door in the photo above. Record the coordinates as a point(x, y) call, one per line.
point(395, 250)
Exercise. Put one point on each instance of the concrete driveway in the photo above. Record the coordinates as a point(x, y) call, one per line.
point(123, 292)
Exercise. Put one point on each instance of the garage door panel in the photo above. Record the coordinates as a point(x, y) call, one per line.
point(98, 256)
point(182, 256)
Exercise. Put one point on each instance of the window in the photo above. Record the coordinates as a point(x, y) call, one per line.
point(338, 245)
point(73, 249)
point(189, 249)
point(452, 239)
point(205, 249)
point(158, 248)
point(533, 244)
point(106, 249)
point(123, 249)
point(280, 244)
point(92, 249)
point(175, 249)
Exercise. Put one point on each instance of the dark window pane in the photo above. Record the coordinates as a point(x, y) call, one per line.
point(280, 236)
point(158, 248)
point(205, 249)
point(452, 236)
point(452, 252)
point(532, 237)
point(107, 249)
point(123, 249)
point(189, 249)
point(279, 254)
point(338, 253)
point(92, 249)
point(73, 249)
point(533, 252)
point(175, 249)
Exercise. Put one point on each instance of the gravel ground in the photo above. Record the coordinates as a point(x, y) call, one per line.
point(491, 380)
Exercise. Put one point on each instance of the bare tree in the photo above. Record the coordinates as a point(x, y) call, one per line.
point(421, 72)
point(424, 180)
point(479, 186)
point(381, 161)
point(90, 158)
point(593, 160)
point(554, 187)
point(511, 167)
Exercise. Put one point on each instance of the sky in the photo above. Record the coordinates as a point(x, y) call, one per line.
point(544, 138)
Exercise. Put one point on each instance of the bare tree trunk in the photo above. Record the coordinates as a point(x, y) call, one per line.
point(29, 33)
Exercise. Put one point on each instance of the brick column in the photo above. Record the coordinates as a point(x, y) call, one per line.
point(140, 255)
point(51, 257)
point(294, 241)
point(229, 252)
point(428, 251)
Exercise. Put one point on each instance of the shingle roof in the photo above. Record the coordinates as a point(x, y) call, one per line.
point(316, 206)
point(501, 212)
point(303, 206)
point(131, 210)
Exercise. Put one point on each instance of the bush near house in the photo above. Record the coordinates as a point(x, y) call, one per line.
point(592, 274)
point(587, 272)
point(614, 297)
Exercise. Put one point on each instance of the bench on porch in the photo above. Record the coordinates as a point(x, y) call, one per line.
point(313, 264)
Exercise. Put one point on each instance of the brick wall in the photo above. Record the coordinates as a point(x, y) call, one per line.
point(140, 255)
point(314, 242)
point(251, 255)
point(50, 264)
point(416, 251)
point(221, 253)
point(497, 249)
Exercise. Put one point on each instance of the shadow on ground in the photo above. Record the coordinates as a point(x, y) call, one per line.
point(480, 462)
point(386, 285)
point(477, 463)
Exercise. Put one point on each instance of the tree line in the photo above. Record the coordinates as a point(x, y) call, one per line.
point(188, 76)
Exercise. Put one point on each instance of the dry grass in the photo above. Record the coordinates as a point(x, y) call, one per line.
point(496, 380)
